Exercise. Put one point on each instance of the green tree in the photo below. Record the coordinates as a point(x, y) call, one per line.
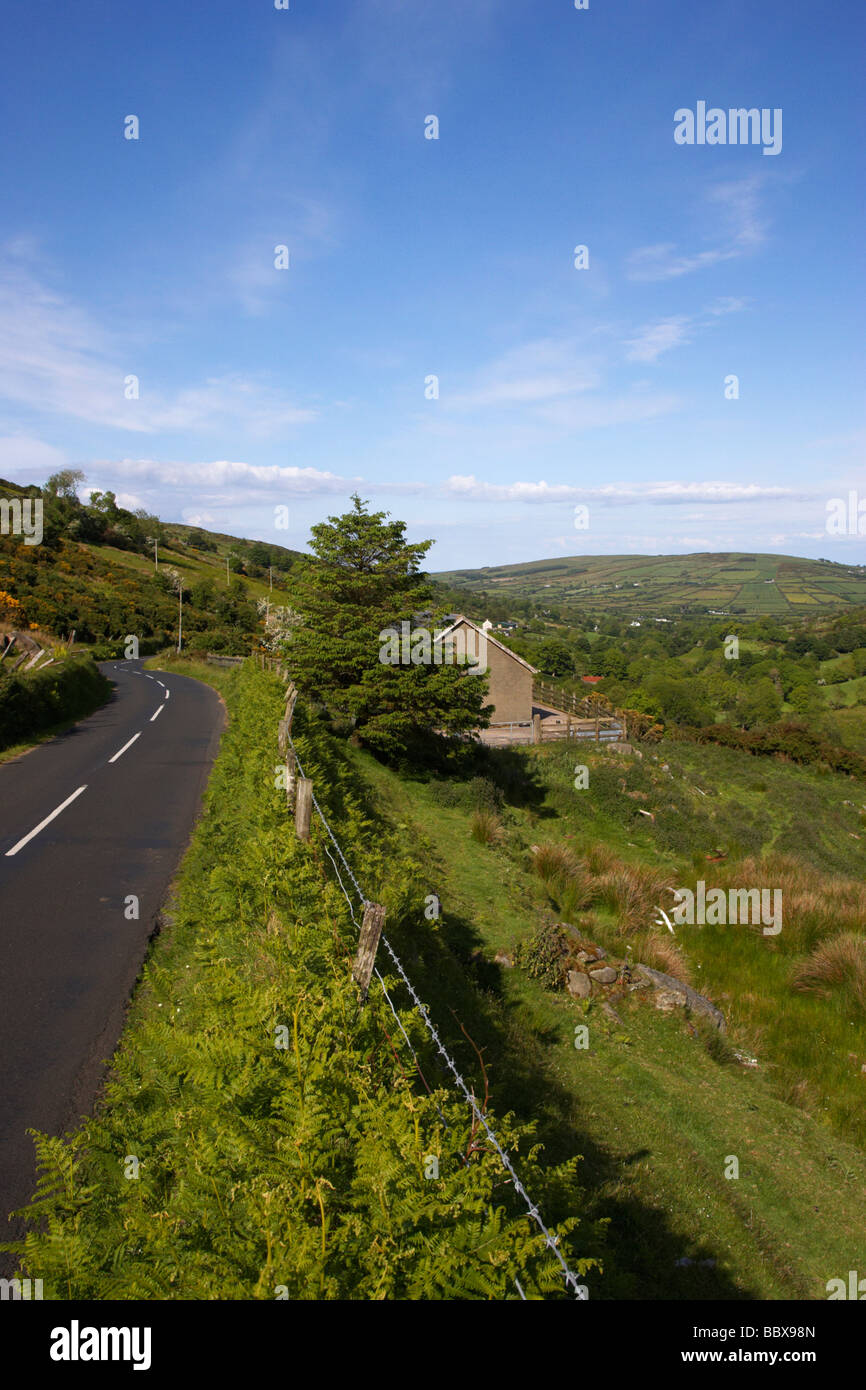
point(554, 657)
point(65, 483)
point(365, 578)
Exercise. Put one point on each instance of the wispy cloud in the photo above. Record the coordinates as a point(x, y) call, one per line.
point(738, 204)
point(56, 358)
point(657, 338)
point(655, 492)
point(535, 372)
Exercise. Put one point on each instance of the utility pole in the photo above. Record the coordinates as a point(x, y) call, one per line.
point(227, 567)
point(180, 615)
point(156, 552)
point(270, 577)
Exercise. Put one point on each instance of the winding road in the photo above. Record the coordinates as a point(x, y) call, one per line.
point(93, 825)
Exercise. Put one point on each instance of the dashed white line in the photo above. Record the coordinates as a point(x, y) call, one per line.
point(165, 697)
point(121, 751)
point(159, 710)
point(162, 683)
point(47, 821)
point(148, 676)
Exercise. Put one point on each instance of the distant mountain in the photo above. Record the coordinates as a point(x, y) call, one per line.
point(731, 582)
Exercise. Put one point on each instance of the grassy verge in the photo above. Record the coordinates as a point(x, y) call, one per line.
point(263, 1135)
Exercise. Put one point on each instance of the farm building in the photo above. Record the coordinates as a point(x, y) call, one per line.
point(510, 677)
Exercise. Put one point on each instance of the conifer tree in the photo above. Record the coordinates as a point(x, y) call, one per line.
point(365, 578)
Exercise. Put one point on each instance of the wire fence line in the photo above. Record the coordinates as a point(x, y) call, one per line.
point(551, 1242)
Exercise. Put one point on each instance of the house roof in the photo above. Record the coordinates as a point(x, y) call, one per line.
point(461, 618)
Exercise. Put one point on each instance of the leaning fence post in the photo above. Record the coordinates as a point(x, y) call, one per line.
point(291, 700)
point(283, 735)
point(303, 807)
point(371, 930)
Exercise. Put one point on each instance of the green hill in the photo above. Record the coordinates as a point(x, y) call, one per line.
point(633, 585)
point(96, 573)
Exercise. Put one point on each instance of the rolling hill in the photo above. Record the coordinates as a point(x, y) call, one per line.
point(632, 585)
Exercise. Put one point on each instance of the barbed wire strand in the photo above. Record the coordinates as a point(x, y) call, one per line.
point(551, 1242)
point(397, 1017)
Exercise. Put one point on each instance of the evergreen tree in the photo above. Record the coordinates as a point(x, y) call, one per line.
point(364, 579)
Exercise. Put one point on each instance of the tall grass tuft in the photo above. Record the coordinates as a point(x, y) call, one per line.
point(662, 953)
point(837, 965)
point(486, 827)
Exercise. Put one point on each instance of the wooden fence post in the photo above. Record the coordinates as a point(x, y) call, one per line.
point(282, 736)
point(291, 779)
point(291, 701)
point(303, 807)
point(371, 930)
point(536, 728)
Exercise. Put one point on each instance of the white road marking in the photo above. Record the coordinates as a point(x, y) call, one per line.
point(120, 752)
point(166, 695)
point(47, 821)
point(162, 683)
point(159, 710)
point(148, 676)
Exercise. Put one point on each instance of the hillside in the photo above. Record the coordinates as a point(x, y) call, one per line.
point(98, 573)
point(657, 1103)
point(657, 585)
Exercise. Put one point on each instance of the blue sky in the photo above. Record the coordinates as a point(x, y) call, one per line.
point(410, 257)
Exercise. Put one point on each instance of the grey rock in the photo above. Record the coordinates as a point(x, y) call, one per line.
point(605, 976)
point(578, 984)
point(676, 994)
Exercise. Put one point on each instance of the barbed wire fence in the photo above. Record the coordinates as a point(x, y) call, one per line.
point(304, 809)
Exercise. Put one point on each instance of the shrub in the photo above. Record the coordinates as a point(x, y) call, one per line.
point(484, 795)
point(544, 956)
point(446, 793)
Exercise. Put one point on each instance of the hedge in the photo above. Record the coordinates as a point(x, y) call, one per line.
point(30, 704)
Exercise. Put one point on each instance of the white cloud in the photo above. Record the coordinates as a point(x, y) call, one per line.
point(468, 486)
point(223, 473)
point(657, 338)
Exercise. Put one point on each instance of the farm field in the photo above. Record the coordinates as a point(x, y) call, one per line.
point(635, 585)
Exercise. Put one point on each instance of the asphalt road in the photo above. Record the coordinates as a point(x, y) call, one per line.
point(130, 781)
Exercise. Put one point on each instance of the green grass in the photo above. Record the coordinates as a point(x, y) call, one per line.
point(653, 1113)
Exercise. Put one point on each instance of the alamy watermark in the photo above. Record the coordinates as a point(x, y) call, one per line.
point(418, 646)
point(718, 908)
point(22, 518)
point(736, 126)
point(846, 516)
point(20, 1289)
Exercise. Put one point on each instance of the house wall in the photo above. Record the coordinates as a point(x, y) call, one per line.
point(510, 683)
